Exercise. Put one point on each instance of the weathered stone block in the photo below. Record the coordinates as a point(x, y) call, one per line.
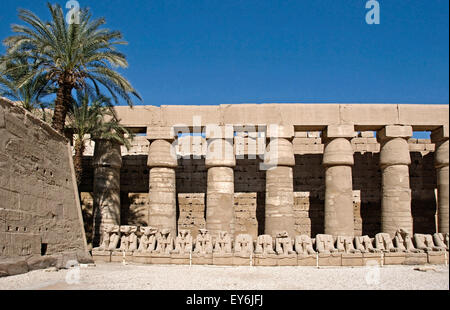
point(161, 259)
point(352, 259)
point(223, 260)
point(180, 259)
point(242, 261)
point(333, 259)
point(437, 258)
point(339, 131)
point(307, 260)
point(41, 262)
point(392, 131)
point(202, 260)
point(13, 267)
point(415, 259)
point(268, 260)
point(394, 258)
point(370, 259)
point(118, 257)
point(290, 260)
point(163, 133)
point(142, 258)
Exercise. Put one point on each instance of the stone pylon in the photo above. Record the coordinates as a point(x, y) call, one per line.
point(162, 162)
point(219, 161)
point(338, 162)
point(279, 161)
point(441, 160)
point(396, 193)
point(107, 162)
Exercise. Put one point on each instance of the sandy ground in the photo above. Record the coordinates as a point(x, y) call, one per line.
point(133, 276)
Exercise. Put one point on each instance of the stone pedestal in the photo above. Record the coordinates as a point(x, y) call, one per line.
point(142, 258)
point(223, 259)
point(416, 259)
point(101, 256)
point(107, 161)
point(220, 161)
point(265, 260)
point(310, 260)
point(161, 259)
point(352, 259)
point(180, 259)
point(394, 258)
point(243, 260)
point(396, 192)
point(162, 162)
point(441, 161)
point(279, 213)
point(371, 259)
point(118, 257)
point(333, 259)
point(437, 258)
point(338, 162)
point(202, 259)
point(287, 260)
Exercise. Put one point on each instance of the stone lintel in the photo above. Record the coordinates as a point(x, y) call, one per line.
point(213, 131)
point(394, 131)
point(339, 131)
point(440, 134)
point(280, 131)
point(160, 133)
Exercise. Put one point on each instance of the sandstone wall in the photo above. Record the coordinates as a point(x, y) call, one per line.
point(39, 207)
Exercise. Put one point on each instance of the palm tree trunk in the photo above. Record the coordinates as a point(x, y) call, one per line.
point(63, 99)
point(78, 160)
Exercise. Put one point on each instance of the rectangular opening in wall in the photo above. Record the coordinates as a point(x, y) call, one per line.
point(138, 131)
point(421, 142)
point(43, 249)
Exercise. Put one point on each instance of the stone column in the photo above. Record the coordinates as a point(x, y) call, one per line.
point(396, 193)
point(220, 161)
point(162, 162)
point(338, 162)
point(441, 160)
point(107, 161)
point(278, 161)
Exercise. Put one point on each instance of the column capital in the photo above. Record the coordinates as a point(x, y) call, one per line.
point(338, 152)
point(279, 152)
point(394, 131)
point(441, 157)
point(161, 153)
point(394, 151)
point(220, 153)
point(160, 133)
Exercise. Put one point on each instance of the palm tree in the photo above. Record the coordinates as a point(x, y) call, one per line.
point(30, 94)
point(72, 56)
point(88, 120)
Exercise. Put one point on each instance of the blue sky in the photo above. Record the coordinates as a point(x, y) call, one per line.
point(255, 51)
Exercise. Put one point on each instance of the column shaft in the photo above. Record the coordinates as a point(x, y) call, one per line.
point(396, 192)
point(279, 213)
point(220, 161)
point(220, 200)
point(162, 198)
point(162, 186)
point(279, 201)
point(442, 163)
point(106, 192)
point(338, 209)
